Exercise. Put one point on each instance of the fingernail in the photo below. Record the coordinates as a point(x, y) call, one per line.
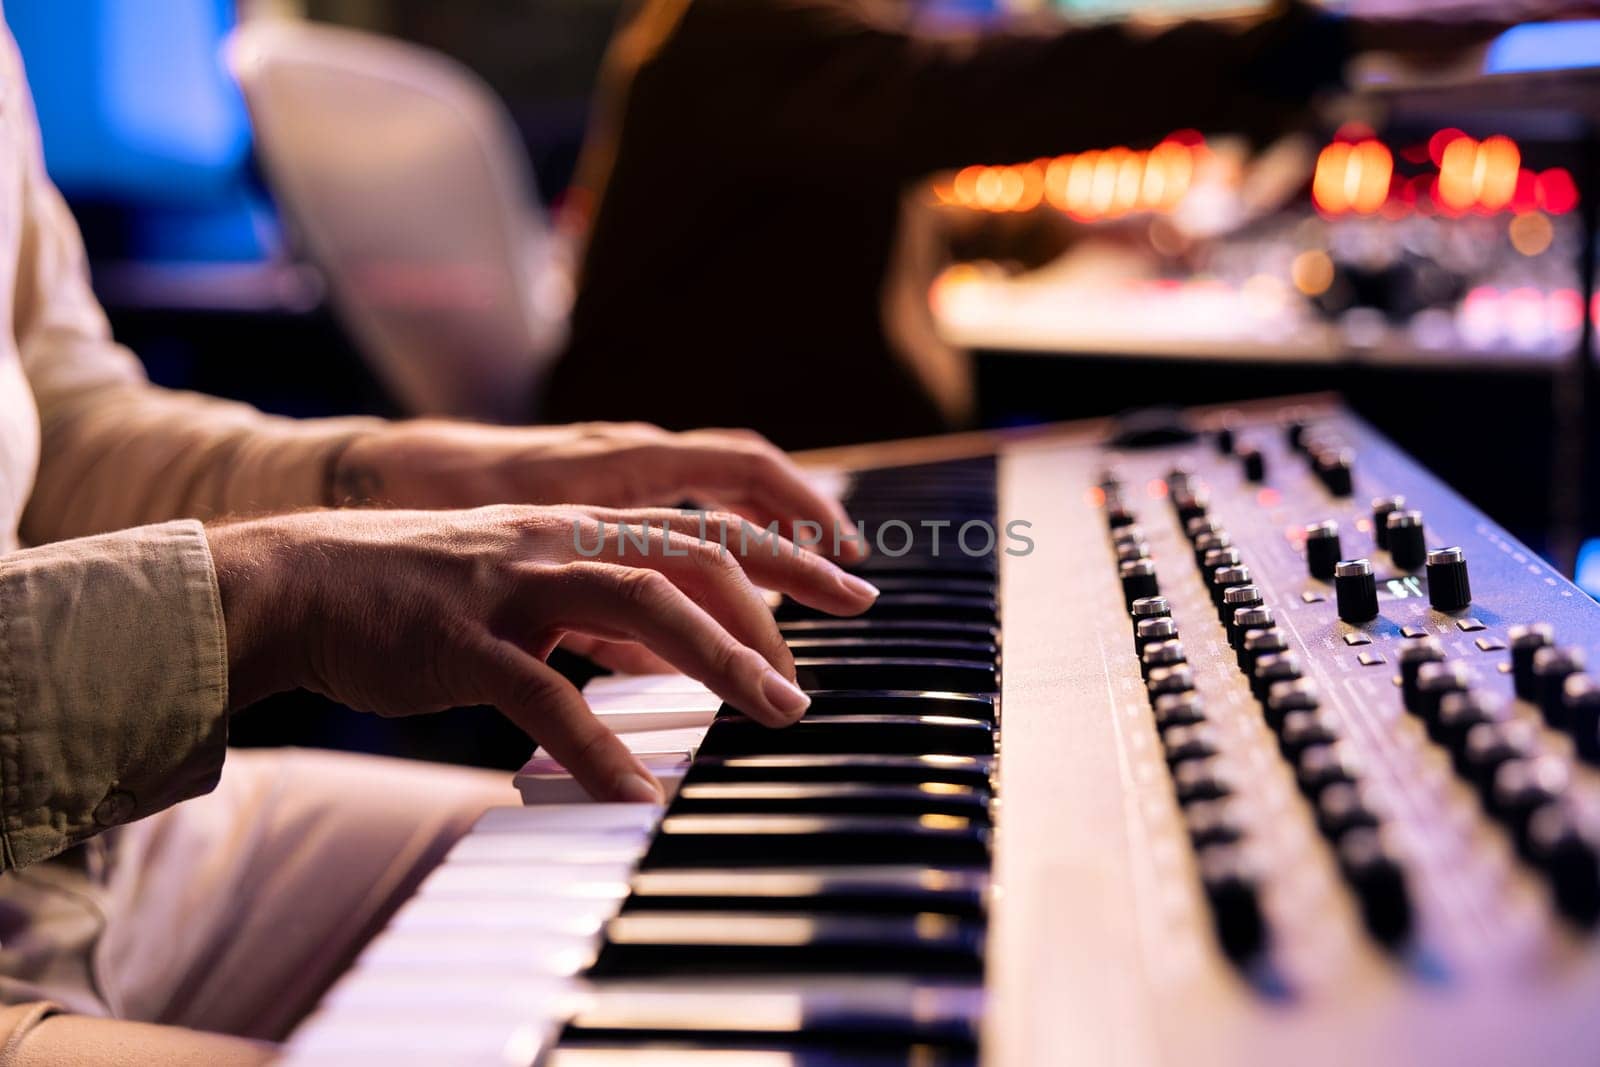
point(784, 695)
point(858, 587)
point(636, 789)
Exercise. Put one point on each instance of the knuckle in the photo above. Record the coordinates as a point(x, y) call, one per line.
point(644, 588)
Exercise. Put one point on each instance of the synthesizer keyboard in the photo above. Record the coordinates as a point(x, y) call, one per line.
point(1241, 759)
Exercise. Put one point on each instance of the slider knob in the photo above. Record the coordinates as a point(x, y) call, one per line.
point(1406, 544)
point(1448, 587)
point(1355, 591)
point(1322, 549)
point(1382, 508)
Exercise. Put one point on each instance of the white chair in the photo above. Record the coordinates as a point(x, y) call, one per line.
point(404, 180)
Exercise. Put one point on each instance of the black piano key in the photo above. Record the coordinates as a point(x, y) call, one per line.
point(828, 702)
point(821, 648)
point(907, 629)
point(963, 584)
point(838, 1016)
point(721, 943)
point(852, 733)
point(915, 607)
point(774, 840)
point(881, 890)
point(903, 672)
point(845, 767)
point(832, 798)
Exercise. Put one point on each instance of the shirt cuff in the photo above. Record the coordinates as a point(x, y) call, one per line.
point(113, 684)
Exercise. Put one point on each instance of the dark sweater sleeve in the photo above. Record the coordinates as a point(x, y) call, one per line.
point(813, 84)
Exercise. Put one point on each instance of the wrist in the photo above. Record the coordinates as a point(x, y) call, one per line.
point(260, 608)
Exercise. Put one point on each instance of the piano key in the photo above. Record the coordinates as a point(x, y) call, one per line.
point(974, 770)
point(912, 606)
point(780, 840)
point(886, 672)
point(895, 628)
point(563, 819)
point(956, 582)
point(718, 942)
point(980, 651)
point(583, 1051)
point(945, 890)
point(834, 798)
point(831, 702)
point(825, 1014)
point(852, 733)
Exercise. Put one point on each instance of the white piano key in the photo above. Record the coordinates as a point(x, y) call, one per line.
point(560, 819)
point(366, 989)
point(549, 953)
point(529, 882)
point(516, 918)
point(509, 1042)
point(543, 781)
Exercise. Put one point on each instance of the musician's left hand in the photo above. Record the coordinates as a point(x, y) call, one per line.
point(435, 464)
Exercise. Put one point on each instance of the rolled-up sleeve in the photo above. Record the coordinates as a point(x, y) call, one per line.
point(113, 684)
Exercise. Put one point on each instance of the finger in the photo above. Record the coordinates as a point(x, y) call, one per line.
point(621, 656)
point(756, 475)
point(644, 606)
point(771, 562)
point(553, 713)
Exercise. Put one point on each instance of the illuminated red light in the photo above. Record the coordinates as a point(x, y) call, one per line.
point(1269, 498)
point(1557, 192)
point(1565, 310)
point(1157, 488)
point(1095, 497)
point(1440, 141)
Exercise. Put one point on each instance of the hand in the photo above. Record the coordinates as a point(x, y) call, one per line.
point(405, 612)
point(432, 464)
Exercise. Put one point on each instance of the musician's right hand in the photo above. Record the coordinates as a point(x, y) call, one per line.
point(407, 612)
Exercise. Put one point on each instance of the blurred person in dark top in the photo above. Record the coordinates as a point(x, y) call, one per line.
point(750, 250)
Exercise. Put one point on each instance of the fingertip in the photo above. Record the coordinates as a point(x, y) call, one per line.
point(637, 787)
point(786, 699)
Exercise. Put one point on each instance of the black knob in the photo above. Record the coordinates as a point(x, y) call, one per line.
point(1285, 699)
point(1560, 845)
point(1245, 619)
point(1118, 514)
point(1335, 467)
point(1200, 526)
point(1138, 580)
point(1322, 549)
point(1460, 712)
point(1180, 480)
point(1270, 670)
point(1298, 730)
point(1220, 557)
point(1149, 631)
point(1179, 709)
point(1522, 787)
point(1255, 464)
point(1161, 654)
point(1379, 883)
point(1230, 887)
point(1345, 807)
point(1210, 542)
point(1412, 658)
point(1551, 666)
point(1355, 591)
point(1225, 441)
point(1491, 744)
point(1259, 642)
point(1191, 504)
point(1525, 641)
point(1225, 578)
point(1406, 545)
point(1132, 549)
point(1295, 434)
point(1179, 678)
point(1581, 696)
point(1150, 607)
point(1382, 508)
point(1235, 598)
point(1448, 587)
point(1435, 681)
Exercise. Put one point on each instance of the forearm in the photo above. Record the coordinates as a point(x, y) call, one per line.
point(126, 453)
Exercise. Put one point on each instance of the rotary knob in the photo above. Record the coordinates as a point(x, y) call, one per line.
point(1413, 657)
point(1254, 463)
point(1551, 667)
point(1407, 546)
point(1382, 508)
point(1224, 578)
point(1244, 619)
point(1322, 549)
point(1225, 441)
point(1525, 641)
point(1150, 607)
point(1581, 696)
point(1147, 632)
point(1448, 587)
point(1355, 591)
point(1295, 433)
point(1335, 467)
point(1138, 580)
point(1259, 641)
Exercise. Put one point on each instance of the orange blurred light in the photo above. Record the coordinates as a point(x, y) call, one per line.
point(1457, 174)
point(1495, 175)
point(1156, 488)
point(1328, 180)
point(1374, 167)
point(1439, 142)
point(1095, 497)
point(1269, 498)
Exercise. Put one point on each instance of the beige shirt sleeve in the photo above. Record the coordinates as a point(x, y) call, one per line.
point(113, 684)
